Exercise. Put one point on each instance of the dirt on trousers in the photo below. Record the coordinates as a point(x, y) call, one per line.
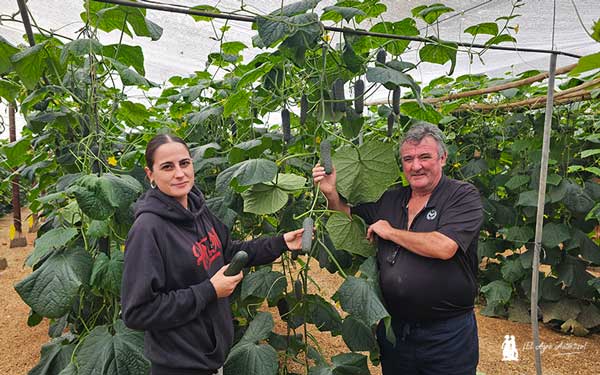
point(562, 354)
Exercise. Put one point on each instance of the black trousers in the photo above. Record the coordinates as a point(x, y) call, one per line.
point(449, 347)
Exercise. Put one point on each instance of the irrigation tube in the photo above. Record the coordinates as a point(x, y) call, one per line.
point(539, 221)
point(172, 9)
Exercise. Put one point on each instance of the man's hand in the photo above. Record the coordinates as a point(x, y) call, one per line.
point(382, 228)
point(293, 239)
point(327, 182)
point(225, 285)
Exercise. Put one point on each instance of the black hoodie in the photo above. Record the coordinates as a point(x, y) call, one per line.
point(170, 255)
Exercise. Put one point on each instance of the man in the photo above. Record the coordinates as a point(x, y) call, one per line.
point(426, 237)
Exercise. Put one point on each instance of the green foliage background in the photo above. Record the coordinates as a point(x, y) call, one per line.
point(81, 159)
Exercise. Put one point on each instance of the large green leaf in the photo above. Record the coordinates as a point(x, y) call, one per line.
point(577, 200)
point(424, 112)
point(9, 90)
point(264, 283)
point(343, 364)
point(322, 314)
point(349, 234)
point(554, 234)
point(500, 39)
point(439, 54)
point(29, 64)
point(6, 51)
point(305, 34)
point(205, 116)
point(519, 235)
point(107, 272)
point(51, 289)
point(431, 13)
point(253, 75)
point(517, 181)
point(248, 172)
point(259, 328)
point(56, 355)
point(285, 21)
point(364, 173)
point(392, 78)
point(358, 336)
point(512, 270)
point(109, 17)
point(586, 63)
point(497, 291)
point(359, 298)
point(121, 190)
point(405, 27)
point(128, 76)
point(562, 310)
point(588, 249)
point(55, 238)
point(127, 55)
point(337, 13)
point(105, 352)
point(268, 198)
point(16, 152)
point(572, 272)
point(590, 316)
point(92, 197)
point(248, 357)
point(490, 28)
point(80, 47)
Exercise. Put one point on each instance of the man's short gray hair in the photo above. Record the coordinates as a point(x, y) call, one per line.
point(423, 129)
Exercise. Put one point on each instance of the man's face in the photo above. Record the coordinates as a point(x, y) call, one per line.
point(422, 165)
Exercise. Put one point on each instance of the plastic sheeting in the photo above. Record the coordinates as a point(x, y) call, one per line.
point(185, 44)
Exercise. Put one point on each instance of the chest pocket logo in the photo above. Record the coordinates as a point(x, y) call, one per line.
point(431, 215)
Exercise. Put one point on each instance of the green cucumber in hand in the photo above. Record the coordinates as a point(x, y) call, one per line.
point(237, 263)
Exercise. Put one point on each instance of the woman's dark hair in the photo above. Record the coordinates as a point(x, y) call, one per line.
point(158, 141)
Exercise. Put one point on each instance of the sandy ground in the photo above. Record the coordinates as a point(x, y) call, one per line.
point(564, 355)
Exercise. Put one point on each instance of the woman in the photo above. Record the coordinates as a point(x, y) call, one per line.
point(176, 252)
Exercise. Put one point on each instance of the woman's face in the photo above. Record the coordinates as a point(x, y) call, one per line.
point(172, 172)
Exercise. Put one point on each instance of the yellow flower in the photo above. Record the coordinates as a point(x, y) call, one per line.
point(517, 29)
point(327, 37)
point(112, 161)
point(318, 140)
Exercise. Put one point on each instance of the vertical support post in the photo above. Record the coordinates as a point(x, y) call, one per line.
point(18, 240)
point(540, 215)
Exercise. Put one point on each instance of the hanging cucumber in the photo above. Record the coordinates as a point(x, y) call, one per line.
point(303, 109)
point(390, 124)
point(339, 105)
point(285, 125)
point(396, 100)
point(237, 263)
point(326, 156)
point(307, 235)
point(381, 56)
point(284, 309)
point(359, 100)
point(298, 289)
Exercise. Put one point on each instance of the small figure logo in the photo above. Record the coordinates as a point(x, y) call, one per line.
point(431, 215)
point(509, 349)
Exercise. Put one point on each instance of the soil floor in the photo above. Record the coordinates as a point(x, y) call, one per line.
point(563, 355)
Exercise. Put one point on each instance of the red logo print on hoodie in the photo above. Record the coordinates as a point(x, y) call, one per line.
point(208, 249)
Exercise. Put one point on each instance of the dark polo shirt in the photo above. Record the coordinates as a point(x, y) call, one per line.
point(417, 288)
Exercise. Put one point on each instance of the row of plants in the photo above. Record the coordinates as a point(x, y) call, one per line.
point(255, 129)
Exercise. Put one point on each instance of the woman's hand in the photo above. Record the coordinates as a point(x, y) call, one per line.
point(225, 285)
point(293, 239)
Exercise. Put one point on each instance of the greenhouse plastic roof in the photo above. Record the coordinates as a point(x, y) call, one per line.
point(185, 44)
